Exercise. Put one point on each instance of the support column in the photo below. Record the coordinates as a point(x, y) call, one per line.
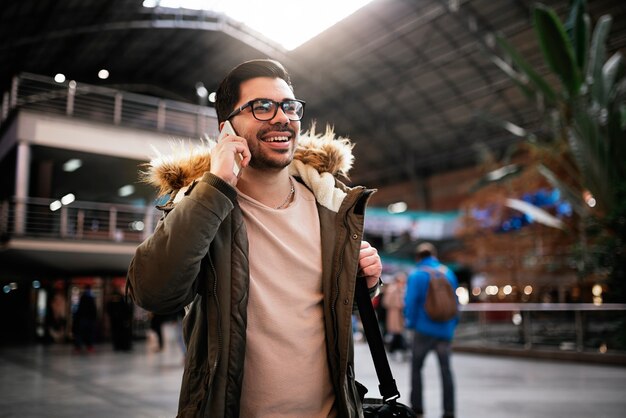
point(161, 116)
point(148, 223)
point(5, 106)
point(14, 89)
point(113, 224)
point(71, 93)
point(117, 109)
point(22, 178)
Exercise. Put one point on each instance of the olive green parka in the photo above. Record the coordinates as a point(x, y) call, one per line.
point(197, 258)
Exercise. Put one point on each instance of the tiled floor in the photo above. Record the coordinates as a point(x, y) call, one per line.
point(37, 381)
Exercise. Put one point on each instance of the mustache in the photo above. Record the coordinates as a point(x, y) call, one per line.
point(277, 129)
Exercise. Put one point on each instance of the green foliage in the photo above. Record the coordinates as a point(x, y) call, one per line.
point(528, 80)
point(597, 56)
point(557, 48)
point(578, 28)
point(586, 116)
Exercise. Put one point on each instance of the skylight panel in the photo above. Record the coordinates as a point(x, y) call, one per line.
point(289, 24)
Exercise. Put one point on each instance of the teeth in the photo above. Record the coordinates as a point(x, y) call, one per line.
point(277, 139)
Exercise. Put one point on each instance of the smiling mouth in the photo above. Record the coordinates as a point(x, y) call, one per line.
point(276, 139)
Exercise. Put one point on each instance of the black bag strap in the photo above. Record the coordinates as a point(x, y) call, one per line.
point(387, 384)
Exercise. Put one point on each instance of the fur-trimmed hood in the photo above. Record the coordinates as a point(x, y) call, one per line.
point(318, 159)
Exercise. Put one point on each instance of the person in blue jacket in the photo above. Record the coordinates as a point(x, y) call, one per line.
point(428, 334)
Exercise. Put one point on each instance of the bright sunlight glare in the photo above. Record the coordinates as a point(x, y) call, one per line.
point(288, 23)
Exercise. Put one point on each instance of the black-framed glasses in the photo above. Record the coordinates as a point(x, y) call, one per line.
point(266, 109)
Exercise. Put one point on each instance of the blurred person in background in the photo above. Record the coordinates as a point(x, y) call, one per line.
point(394, 305)
point(84, 322)
point(56, 319)
point(156, 325)
point(429, 334)
point(121, 317)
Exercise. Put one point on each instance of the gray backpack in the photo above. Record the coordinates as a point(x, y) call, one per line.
point(441, 302)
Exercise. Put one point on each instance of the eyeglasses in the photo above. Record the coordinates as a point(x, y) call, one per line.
point(266, 109)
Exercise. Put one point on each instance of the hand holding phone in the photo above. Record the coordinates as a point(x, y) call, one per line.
point(227, 129)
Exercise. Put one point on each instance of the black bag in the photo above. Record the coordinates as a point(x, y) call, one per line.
point(377, 408)
point(387, 407)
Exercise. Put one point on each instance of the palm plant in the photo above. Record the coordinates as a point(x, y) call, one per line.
point(586, 114)
point(584, 154)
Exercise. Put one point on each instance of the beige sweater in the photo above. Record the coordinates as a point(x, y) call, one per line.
point(286, 368)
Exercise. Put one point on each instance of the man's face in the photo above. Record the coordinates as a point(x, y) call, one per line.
point(272, 143)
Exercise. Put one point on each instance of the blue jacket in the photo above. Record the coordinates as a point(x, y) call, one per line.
point(417, 286)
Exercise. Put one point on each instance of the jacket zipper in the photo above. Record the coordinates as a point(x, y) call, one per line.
point(211, 372)
point(337, 276)
point(336, 296)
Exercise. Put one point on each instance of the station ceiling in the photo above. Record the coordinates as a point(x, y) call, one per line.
point(412, 82)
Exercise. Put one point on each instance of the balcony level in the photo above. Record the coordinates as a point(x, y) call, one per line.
point(70, 156)
point(78, 238)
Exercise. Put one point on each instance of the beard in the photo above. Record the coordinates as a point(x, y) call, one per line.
point(263, 158)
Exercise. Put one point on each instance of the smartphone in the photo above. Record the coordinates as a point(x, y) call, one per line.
point(227, 129)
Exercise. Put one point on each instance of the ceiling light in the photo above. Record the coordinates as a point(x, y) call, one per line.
point(103, 74)
point(68, 198)
point(137, 226)
point(589, 199)
point(201, 91)
point(56, 205)
point(126, 190)
point(397, 207)
point(596, 290)
point(307, 20)
point(59, 78)
point(72, 165)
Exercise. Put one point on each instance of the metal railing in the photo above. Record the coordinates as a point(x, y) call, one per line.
point(34, 218)
point(578, 327)
point(102, 104)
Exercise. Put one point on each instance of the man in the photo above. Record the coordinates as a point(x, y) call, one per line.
point(428, 334)
point(121, 318)
point(85, 319)
point(269, 259)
